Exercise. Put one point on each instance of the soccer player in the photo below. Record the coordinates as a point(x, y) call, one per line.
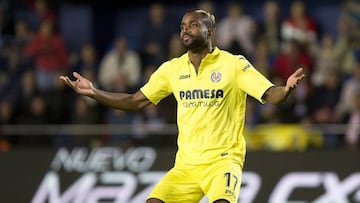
point(210, 86)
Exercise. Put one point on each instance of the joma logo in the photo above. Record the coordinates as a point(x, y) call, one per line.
point(184, 77)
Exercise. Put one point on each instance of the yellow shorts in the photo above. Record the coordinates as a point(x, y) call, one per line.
point(188, 184)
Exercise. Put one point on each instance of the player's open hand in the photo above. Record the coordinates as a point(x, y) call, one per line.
point(81, 85)
point(294, 79)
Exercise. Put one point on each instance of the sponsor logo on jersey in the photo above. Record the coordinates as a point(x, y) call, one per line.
point(201, 94)
point(246, 67)
point(182, 77)
point(224, 154)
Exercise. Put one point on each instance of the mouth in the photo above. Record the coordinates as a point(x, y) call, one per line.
point(187, 38)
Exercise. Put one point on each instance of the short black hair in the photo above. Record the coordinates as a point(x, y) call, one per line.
point(207, 18)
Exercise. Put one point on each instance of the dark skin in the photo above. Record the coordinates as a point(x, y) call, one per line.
point(193, 30)
point(197, 38)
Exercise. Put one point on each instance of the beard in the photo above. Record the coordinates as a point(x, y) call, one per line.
point(196, 44)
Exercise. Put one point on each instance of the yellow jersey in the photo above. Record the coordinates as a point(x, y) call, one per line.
point(210, 103)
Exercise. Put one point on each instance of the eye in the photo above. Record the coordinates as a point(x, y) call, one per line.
point(183, 27)
point(194, 25)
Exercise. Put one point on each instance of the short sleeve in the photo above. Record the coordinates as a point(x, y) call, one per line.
point(251, 80)
point(158, 87)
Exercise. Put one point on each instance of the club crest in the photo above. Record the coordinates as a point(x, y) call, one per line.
point(216, 77)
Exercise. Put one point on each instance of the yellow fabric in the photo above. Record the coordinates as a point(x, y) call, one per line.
point(221, 180)
point(283, 137)
point(211, 104)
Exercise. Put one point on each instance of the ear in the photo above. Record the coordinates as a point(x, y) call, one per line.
point(211, 32)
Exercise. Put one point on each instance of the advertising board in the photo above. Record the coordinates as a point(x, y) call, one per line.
point(112, 174)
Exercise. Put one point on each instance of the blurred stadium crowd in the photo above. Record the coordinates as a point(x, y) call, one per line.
point(41, 40)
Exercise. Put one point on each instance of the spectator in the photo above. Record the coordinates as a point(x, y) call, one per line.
point(37, 112)
point(207, 5)
point(59, 103)
point(348, 40)
point(252, 114)
point(326, 58)
point(148, 121)
point(292, 56)
point(322, 104)
point(300, 26)
point(348, 92)
point(42, 11)
point(37, 116)
point(88, 60)
point(353, 130)
point(6, 21)
point(25, 92)
point(115, 116)
point(176, 48)
point(270, 26)
point(120, 60)
point(261, 58)
point(88, 64)
point(345, 53)
point(237, 31)
point(6, 112)
point(327, 94)
point(155, 35)
point(349, 18)
point(23, 35)
point(13, 61)
point(83, 112)
point(48, 50)
point(9, 69)
point(6, 117)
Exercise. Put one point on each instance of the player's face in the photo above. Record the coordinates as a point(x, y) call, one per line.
point(193, 32)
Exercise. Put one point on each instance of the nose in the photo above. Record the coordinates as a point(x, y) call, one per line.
point(185, 29)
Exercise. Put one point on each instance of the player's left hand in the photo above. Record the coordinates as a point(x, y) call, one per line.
point(294, 79)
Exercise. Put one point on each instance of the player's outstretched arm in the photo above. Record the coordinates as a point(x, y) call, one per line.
point(123, 101)
point(276, 95)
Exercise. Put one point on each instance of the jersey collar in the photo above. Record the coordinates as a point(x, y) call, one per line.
point(209, 58)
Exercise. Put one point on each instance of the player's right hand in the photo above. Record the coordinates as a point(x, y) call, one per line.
point(81, 85)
